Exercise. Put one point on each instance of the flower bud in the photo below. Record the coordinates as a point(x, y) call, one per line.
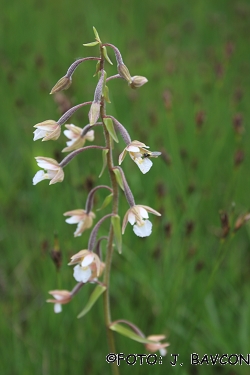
point(94, 112)
point(62, 84)
point(138, 81)
point(124, 72)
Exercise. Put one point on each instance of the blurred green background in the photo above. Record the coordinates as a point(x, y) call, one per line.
point(190, 279)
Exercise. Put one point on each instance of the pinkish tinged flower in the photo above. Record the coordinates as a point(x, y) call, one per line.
point(48, 130)
point(61, 297)
point(89, 266)
point(54, 171)
point(158, 345)
point(139, 153)
point(80, 217)
point(137, 216)
point(75, 139)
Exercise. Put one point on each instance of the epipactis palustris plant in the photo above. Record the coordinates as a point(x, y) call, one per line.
point(88, 264)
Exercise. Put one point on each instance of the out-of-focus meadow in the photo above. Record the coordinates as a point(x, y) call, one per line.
point(190, 280)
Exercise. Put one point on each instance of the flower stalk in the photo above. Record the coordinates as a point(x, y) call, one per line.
point(88, 263)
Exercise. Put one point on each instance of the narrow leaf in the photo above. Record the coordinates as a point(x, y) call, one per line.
point(106, 55)
point(110, 128)
point(104, 82)
point(118, 178)
point(96, 34)
point(97, 69)
point(116, 222)
point(97, 292)
point(129, 333)
point(106, 202)
point(92, 44)
point(104, 160)
point(106, 94)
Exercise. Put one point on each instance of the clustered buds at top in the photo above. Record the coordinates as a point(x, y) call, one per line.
point(61, 297)
point(158, 345)
point(80, 217)
point(48, 130)
point(89, 266)
point(138, 81)
point(74, 133)
point(138, 152)
point(54, 171)
point(63, 84)
point(136, 215)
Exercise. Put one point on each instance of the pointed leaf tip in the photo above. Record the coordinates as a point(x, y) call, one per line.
point(110, 128)
point(97, 292)
point(106, 55)
point(96, 35)
point(129, 333)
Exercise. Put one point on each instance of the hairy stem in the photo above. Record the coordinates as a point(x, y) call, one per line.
point(108, 261)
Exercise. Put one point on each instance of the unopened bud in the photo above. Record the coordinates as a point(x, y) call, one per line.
point(56, 254)
point(124, 72)
point(62, 84)
point(94, 112)
point(138, 81)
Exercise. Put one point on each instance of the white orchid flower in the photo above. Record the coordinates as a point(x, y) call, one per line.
point(54, 171)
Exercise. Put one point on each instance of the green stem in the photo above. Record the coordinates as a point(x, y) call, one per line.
point(108, 261)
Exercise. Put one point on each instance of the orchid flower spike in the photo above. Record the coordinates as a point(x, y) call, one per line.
point(48, 130)
point(89, 266)
point(139, 153)
point(54, 171)
point(137, 216)
point(80, 217)
point(75, 139)
point(158, 345)
point(61, 297)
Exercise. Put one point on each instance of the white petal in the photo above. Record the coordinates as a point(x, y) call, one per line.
point(90, 136)
point(144, 164)
point(78, 231)
point(163, 351)
point(57, 308)
point(131, 218)
point(58, 297)
point(39, 176)
point(70, 143)
point(144, 230)
point(69, 134)
point(38, 133)
point(87, 260)
point(82, 275)
point(73, 219)
point(133, 149)
point(46, 165)
point(143, 213)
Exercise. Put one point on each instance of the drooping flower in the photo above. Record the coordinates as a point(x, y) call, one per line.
point(158, 345)
point(139, 153)
point(75, 139)
point(54, 171)
point(61, 297)
point(137, 216)
point(48, 130)
point(80, 217)
point(89, 266)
